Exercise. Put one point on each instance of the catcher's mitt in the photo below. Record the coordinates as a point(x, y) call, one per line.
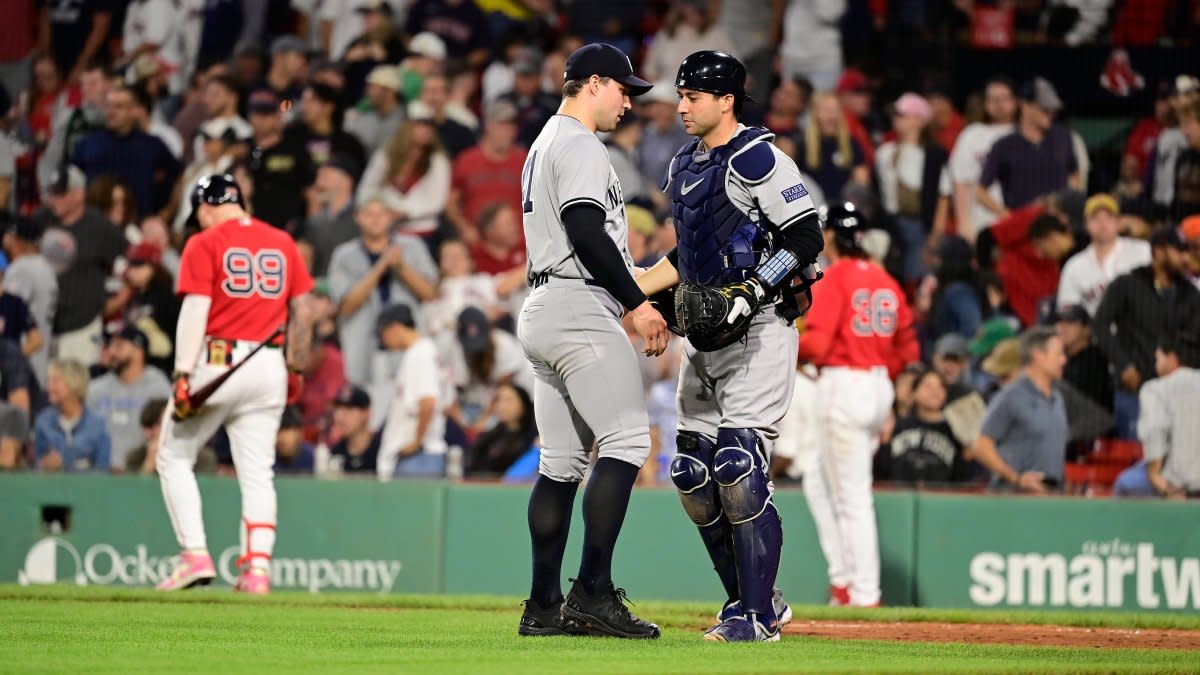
point(716, 317)
point(664, 302)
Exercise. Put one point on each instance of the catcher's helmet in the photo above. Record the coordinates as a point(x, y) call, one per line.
point(848, 225)
point(216, 189)
point(714, 72)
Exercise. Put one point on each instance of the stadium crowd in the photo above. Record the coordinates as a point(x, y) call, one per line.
point(388, 138)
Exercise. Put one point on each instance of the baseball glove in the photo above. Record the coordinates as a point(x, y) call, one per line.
point(716, 317)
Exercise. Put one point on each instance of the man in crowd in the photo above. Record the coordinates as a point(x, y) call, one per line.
point(221, 98)
point(1108, 256)
point(358, 448)
point(412, 441)
point(30, 278)
point(332, 224)
point(970, 151)
point(279, 164)
point(18, 388)
point(487, 173)
point(435, 94)
point(1086, 369)
point(119, 395)
point(385, 112)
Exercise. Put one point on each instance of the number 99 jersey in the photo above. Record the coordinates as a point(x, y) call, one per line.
point(859, 319)
point(250, 270)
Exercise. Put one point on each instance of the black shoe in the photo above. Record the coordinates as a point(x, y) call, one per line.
point(605, 613)
point(539, 622)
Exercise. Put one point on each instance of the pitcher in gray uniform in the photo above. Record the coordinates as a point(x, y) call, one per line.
point(747, 231)
point(588, 389)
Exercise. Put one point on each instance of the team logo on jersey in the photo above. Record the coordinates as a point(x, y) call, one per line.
point(795, 192)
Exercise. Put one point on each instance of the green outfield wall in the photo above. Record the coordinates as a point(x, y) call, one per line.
point(433, 537)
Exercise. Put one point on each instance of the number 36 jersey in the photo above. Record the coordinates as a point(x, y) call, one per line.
point(250, 270)
point(859, 319)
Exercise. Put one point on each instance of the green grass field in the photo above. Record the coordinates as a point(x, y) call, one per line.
point(77, 630)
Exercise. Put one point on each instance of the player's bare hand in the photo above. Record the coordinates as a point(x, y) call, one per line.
point(651, 326)
point(1032, 482)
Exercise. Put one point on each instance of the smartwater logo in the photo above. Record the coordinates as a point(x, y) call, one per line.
point(1094, 578)
point(54, 559)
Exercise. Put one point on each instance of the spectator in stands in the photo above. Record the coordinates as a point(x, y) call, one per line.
point(118, 396)
point(459, 287)
point(1032, 242)
point(812, 43)
point(923, 449)
point(17, 323)
point(66, 435)
point(952, 361)
point(687, 25)
point(30, 278)
point(293, 454)
point(144, 458)
point(108, 151)
point(854, 94)
point(77, 33)
point(289, 68)
point(330, 222)
point(1035, 160)
point(221, 100)
point(534, 104)
point(370, 272)
point(1024, 435)
point(17, 393)
point(788, 106)
point(426, 55)
point(827, 152)
point(499, 251)
point(148, 303)
point(151, 27)
point(1088, 273)
point(956, 304)
point(145, 119)
point(433, 107)
point(1167, 425)
point(487, 173)
point(495, 450)
point(622, 142)
point(480, 360)
point(319, 127)
point(86, 245)
point(378, 44)
point(1003, 363)
point(1137, 308)
point(381, 112)
point(459, 23)
point(357, 447)
point(1138, 155)
point(1087, 369)
point(1185, 199)
point(411, 175)
point(279, 163)
point(324, 377)
point(94, 85)
point(49, 98)
point(971, 149)
point(947, 123)
point(114, 199)
point(1171, 142)
point(219, 145)
point(662, 136)
point(412, 442)
point(913, 184)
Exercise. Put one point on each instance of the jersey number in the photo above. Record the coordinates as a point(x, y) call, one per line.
point(527, 184)
point(874, 312)
point(247, 274)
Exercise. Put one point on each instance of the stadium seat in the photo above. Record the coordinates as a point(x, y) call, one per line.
point(1115, 451)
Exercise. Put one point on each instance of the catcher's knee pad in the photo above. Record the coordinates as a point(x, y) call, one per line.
point(740, 469)
point(691, 471)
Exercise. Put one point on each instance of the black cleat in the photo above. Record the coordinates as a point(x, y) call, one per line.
point(539, 622)
point(605, 613)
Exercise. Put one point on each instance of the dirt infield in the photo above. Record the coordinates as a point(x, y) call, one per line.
point(998, 633)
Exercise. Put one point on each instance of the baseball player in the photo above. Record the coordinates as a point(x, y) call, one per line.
point(240, 280)
point(588, 389)
point(859, 331)
point(746, 230)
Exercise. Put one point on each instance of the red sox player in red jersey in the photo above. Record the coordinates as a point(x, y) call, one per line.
point(858, 331)
point(240, 280)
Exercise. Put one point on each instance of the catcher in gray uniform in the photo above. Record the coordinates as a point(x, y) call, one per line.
point(747, 236)
point(588, 388)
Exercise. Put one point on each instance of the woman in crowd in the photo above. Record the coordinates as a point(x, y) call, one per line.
point(495, 450)
point(411, 173)
point(66, 435)
point(826, 151)
point(923, 449)
point(688, 23)
point(147, 300)
point(112, 196)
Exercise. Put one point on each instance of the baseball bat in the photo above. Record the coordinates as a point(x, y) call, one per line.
point(201, 395)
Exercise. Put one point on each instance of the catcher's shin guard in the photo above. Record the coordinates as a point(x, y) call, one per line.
point(740, 469)
point(691, 471)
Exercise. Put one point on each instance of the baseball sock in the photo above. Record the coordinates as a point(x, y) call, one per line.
point(604, 504)
point(550, 506)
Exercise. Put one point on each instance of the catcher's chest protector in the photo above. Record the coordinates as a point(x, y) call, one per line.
point(717, 242)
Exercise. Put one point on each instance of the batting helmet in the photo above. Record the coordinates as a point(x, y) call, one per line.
point(216, 189)
point(714, 72)
point(848, 225)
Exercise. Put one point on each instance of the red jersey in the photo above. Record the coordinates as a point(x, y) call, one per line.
point(1027, 277)
point(250, 270)
point(859, 319)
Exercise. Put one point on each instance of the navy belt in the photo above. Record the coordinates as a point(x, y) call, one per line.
point(544, 277)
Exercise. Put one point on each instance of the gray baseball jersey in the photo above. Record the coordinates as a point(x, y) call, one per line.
point(587, 388)
point(568, 165)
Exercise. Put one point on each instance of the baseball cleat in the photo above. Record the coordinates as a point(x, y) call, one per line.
point(538, 621)
point(782, 609)
point(741, 629)
point(195, 568)
point(605, 613)
point(839, 596)
point(253, 582)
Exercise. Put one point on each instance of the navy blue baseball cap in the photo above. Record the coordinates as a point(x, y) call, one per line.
point(606, 61)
